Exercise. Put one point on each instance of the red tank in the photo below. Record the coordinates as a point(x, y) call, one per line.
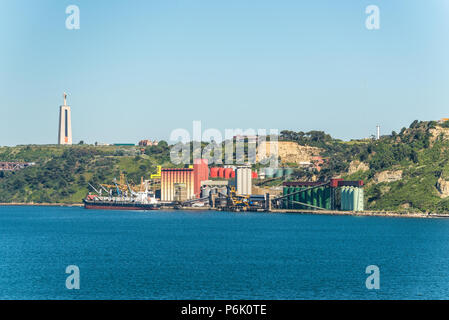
point(221, 172)
point(214, 172)
point(233, 174)
point(254, 175)
point(227, 173)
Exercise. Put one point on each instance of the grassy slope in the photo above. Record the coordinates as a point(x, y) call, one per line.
point(421, 156)
point(61, 173)
point(416, 191)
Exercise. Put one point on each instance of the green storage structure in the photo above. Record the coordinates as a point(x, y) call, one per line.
point(285, 200)
point(302, 196)
point(297, 196)
point(288, 172)
point(355, 198)
point(315, 197)
point(279, 173)
point(308, 197)
point(320, 197)
point(351, 199)
point(291, 198)
point(328, 198)
point(342, 197)
point(344, 201)
point(269, 173)
point(358, 199)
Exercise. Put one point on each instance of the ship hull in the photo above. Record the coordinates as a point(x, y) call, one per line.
point(100, 205)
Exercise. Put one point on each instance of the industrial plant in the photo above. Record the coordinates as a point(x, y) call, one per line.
point(228, 188)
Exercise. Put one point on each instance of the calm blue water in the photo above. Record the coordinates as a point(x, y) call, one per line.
point(218, 255)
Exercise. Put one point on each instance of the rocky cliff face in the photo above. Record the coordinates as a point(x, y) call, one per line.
point(288, 151)
point(439, 131)
point(356, 166)
point(387, 176)
point(443, 187)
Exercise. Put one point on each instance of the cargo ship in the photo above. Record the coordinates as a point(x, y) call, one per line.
point(118, 205)
point(121, 196)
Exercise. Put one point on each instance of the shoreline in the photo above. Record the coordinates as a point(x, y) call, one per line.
point(289, 211)
point(387, 214)
point(17, 204)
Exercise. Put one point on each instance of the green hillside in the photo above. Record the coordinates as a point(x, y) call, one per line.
point(406, 171)
point(422, 157)
point(61, 173)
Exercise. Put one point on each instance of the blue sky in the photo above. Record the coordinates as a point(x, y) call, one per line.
point(139, 69)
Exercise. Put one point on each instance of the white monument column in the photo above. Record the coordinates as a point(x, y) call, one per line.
point(65, 123)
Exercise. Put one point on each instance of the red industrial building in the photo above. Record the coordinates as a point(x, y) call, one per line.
point(226, 173)
point(200, 173)
point(214, 172)
point(186, 178)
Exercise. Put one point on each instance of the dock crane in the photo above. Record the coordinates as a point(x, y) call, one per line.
point(98, 192)
point(238, 200)
point(116, 186)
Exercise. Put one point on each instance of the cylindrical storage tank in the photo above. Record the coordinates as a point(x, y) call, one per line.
point(320, 197)
point(343, 198)
point(254, 175)
point(221, 172)
point(214, 172)
point(285, 200)
point(355, 199)
point(315, 197)
point(233, 174)
point(269, 173)
point(296, 197)
point(288, 172)
point(302, 197)
point(351, 198)
point(279, 173)
point(309, 197)
point(361, 201)
point(227, 173)
point(323, 198)
point(292, 198)
point(327, 198)
point(346, 203)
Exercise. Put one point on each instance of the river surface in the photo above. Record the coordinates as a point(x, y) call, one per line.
point(218, 255)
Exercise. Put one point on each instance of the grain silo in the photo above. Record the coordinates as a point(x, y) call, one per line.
point(243, 181)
